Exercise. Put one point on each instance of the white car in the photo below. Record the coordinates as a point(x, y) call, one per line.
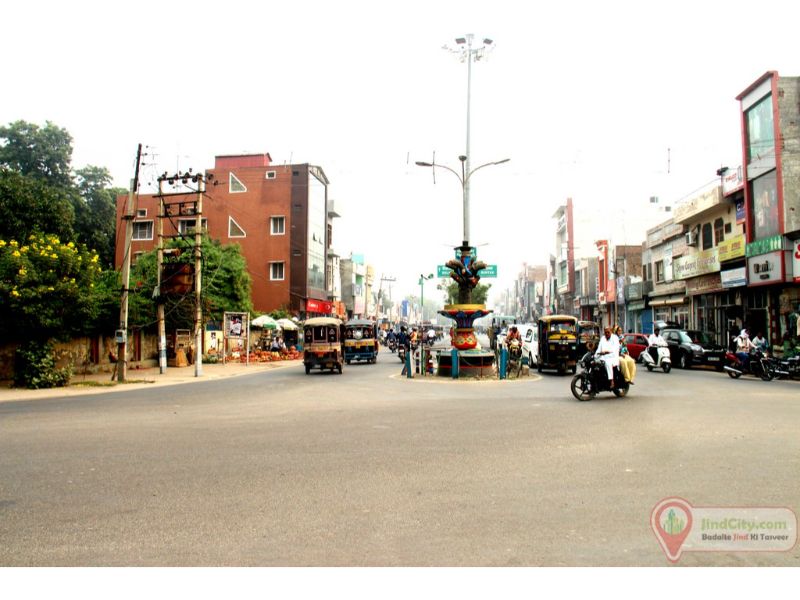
point(530, 342)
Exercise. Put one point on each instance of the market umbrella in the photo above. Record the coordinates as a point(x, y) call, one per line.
point(287, 325)
point(265, 322)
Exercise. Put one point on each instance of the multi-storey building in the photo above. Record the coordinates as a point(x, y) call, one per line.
point(279, 215)
point(770, 123)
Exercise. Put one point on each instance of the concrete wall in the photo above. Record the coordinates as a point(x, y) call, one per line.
point(789, 144)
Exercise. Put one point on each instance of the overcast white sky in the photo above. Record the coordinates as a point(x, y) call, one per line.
point(584, 97)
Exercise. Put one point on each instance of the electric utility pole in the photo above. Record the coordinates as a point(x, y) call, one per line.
point(122, 332)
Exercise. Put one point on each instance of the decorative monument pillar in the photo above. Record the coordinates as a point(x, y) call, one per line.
point(466, 272)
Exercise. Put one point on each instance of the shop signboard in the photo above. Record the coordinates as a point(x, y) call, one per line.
point(734, 277)
point(668, 263)
point(731, 248)
point(705, 284)
point(765, 245)
point(796, 260)
point(765, 268)
point(319, 306)
point(701, 263)
point(732, 180)
point(740, 214)
point(638, 305)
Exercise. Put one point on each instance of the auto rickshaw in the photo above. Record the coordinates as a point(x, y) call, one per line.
point(588, 336)
point(558, 343)
point(322, 344)
point(360, 341)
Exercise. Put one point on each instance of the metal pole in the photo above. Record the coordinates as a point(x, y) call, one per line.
point(421, 339)
point(162, 332)
point(122, 346)
point(467, 161)
point(198, 275)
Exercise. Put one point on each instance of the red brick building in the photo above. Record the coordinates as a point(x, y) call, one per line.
point(277, 214)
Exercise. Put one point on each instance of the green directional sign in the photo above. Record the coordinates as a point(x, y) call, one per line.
point(444, 271)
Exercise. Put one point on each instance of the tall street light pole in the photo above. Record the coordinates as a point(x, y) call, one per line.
point(464, 178)
point(469, 53)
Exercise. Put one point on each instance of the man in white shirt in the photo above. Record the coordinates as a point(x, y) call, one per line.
point(654, 341)
point(608, 352)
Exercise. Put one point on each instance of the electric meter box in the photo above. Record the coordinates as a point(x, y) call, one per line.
point(121, 336)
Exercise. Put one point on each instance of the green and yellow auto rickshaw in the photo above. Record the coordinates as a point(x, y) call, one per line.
point(322, 344)
point(360, 341)
point(558, 343)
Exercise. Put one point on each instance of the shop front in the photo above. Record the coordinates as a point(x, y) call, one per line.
point(769, 278)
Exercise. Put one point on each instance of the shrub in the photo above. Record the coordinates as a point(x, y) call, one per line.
point(35, 367)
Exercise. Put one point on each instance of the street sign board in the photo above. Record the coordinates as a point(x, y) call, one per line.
point(444, 271)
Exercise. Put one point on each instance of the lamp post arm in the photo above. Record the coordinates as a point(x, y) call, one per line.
point(489, 164)
point(434, 165)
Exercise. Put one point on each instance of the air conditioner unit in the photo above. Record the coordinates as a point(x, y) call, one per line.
point(691, 238)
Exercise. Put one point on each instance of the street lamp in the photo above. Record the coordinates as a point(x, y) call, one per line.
point(470, 54)
point(422, 280)
point(464, 178)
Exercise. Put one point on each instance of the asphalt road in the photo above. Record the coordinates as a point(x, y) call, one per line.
point(367, 468)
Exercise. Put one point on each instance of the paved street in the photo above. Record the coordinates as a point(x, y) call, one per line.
point(367, 468)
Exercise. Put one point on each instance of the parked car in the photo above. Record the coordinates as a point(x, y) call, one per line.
point(713, 353)
point(693, 347)
point(530, 343)
point(636, 343)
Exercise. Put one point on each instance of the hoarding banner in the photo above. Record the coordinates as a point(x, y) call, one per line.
point(765, 268)
point(701, 263)
point(731, 248)
point(734, 277)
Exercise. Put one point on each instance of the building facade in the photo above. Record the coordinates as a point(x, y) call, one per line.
point(770, 124)
point(277, 214)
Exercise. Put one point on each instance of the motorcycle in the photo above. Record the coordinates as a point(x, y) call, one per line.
point(514, 358)
point(664, 361)
point(392, 343)
point(788, 368)
point(759, 365)
point(593, 379)
point(401, 353)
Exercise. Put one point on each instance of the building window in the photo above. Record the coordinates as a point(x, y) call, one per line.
point(708, 240)
point(141, 213)
point(186, 226)
point(277, 225)
point(719, 231)
point(276, 271)
point(235, 186)
point(234, 229)
point(142, 230)
point(660, 271)
point(271, 174)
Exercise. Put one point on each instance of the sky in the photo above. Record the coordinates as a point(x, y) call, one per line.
point(608, 103)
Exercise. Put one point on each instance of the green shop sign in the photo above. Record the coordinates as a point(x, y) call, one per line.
point(764, 246)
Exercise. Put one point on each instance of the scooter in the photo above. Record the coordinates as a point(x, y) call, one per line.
point(664, 362)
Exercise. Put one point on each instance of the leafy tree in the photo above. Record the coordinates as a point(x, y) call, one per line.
point(226, 286)
point(96, 211)
point(47, 288)
point(42, 152)
point(479, 294)
point(29, 204)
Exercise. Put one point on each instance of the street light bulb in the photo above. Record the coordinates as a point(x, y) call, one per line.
point(488, 42)
point(461, 40)
point(420, 163)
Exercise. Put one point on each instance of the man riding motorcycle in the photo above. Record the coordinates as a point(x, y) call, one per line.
point(608, 352)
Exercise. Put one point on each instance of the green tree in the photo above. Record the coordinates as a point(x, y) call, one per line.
point(226, 286)
point(96, 211)
point(29, 204)
point(479, 294)
point(41, 152)
point(47, 288)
